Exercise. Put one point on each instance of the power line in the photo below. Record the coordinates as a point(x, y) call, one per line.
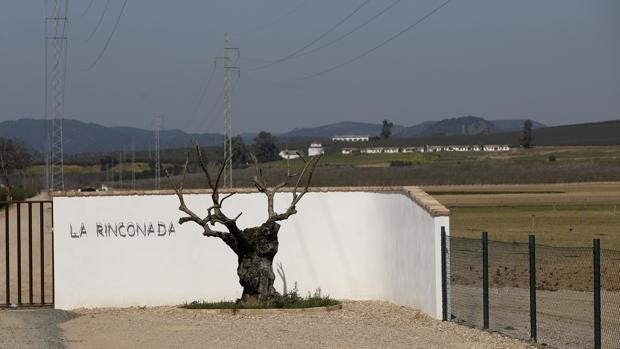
point(205, 89)
point(107, 43)
point(365, 53)
point(96, 29)
point(215, 106)
point(334, 27)
point(258, 28)
point(344, 36)
point(203, 94)
point(90, 4)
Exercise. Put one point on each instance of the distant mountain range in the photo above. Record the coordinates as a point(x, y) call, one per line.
point(82, 137)
point(465, 125)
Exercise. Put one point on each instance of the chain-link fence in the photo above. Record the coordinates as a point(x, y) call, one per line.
point(610, 298)
point(492, 286)
point(465, 281)
point(564, 296)
point(509, 302)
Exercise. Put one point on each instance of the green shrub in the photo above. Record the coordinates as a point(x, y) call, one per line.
point(19, 194)
point(291, 300)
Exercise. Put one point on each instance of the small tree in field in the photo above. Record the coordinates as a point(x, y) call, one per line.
point(255, 247)
point(386, 129)
point(526, 137)
point(266, 148)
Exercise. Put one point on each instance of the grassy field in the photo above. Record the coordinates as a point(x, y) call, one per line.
point(559, 214)
point(518, 166)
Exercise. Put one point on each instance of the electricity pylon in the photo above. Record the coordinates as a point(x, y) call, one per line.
point(56, 22)
point(230, 59)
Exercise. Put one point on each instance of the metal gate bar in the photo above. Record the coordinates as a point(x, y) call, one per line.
point(8, 248)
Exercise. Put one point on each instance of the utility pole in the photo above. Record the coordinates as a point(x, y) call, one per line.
point(230, 60)
point(56, 22)
point(133, 163)
point(157, 125)
point(120, 168)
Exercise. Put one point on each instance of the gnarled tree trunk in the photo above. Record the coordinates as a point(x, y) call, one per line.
point(255, 252)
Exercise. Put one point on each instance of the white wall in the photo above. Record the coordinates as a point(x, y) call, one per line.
point(352, 245)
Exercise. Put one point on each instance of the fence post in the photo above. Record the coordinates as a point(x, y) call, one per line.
point(42, 247)
point(444, 276)
point(532, 252)
point(597, 292)
point(7, 253)
point(485, 280)
point(19, 253)
point(30, 253)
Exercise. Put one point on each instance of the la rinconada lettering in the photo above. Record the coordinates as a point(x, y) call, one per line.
point(125, 230)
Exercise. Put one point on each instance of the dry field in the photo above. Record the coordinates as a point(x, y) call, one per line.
point(558, 214)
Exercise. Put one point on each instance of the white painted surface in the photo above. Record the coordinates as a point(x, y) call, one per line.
point(352, 245)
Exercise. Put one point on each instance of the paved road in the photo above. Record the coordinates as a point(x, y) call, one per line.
point(34, 329)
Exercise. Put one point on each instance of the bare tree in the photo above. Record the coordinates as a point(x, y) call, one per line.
point(255, 247)
point(14, 156)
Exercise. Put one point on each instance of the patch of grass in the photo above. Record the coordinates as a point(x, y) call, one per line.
point(554, 225)
point(290, 300)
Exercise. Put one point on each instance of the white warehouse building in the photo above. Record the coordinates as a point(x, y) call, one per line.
point(351, 138)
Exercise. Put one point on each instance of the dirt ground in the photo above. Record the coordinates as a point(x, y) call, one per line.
point(565, 318)
point(596, 193)
point(564, 291)
point(357, 325)
point(557, 268)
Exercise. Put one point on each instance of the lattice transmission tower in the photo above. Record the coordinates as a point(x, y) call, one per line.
point(56, 22)
point(230, 60)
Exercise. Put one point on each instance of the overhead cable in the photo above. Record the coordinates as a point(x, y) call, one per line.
point(290, 12)
point(107, 43)
point(329, 31)
point(205, 89)
point(344, 36)
point(367, 52)
point(90, 4)
point(103, 13)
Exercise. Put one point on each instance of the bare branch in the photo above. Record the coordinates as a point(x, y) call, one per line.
point(219, 175)
point(203, 166)
point(191, 216)
point(309, 168)
point(259, 181)
point(226, 197)
point(301, 157)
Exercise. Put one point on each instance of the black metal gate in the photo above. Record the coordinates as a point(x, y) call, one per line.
point(27, 246)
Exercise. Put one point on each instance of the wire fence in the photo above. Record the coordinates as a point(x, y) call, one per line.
point(535, 292)
point(610, 298)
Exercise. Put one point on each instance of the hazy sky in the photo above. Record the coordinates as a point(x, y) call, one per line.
point(556, 61)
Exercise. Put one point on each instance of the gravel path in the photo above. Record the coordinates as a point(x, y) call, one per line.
point(357, 325)
point(32, 329)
